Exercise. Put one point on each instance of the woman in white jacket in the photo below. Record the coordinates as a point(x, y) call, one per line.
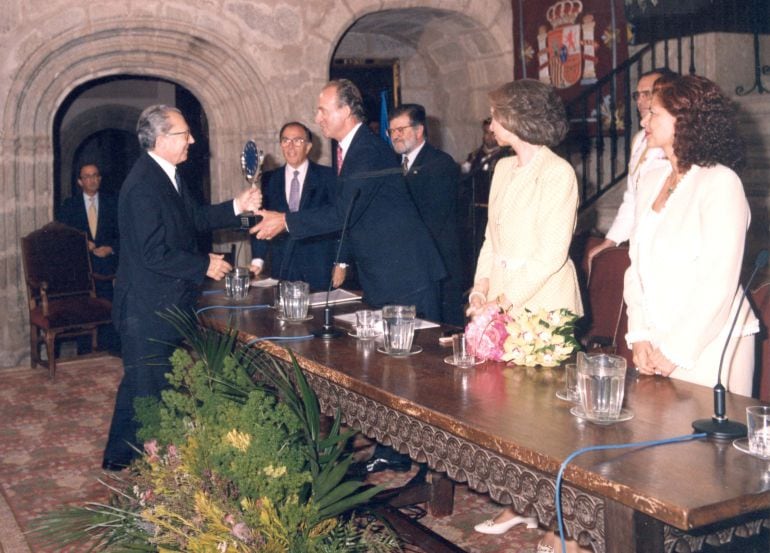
point(682, 288)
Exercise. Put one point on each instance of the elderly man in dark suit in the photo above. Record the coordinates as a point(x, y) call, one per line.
point(397, 261)
point(432, 178)
point(96, 214)
point(160, 266)
point(298, 185)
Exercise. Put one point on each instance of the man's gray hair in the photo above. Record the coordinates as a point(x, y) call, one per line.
point(152, 123)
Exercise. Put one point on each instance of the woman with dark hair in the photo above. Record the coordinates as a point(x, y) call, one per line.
point(533, 200)
point(682, 288)
point(524, 262)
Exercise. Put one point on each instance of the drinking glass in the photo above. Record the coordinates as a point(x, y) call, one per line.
point(461, 356)
point(366, 328)
point(758, 423)
point(601, 384)
point(571, 385)
point(295, 299)
point(237, 283)
point(398, 328)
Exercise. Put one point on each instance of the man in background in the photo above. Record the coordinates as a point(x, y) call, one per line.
point(298, 185)
point(432, 179)
point(96, 214)
point(160, 266)
point(477, 171)
point(642, 160)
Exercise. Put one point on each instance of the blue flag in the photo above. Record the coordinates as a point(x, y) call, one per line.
point(384, 116)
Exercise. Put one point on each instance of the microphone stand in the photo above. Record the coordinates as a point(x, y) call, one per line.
point(719, 426)
point(328, 331)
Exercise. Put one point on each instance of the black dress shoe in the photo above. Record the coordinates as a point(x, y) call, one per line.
point(378, 464)
point(114, 466)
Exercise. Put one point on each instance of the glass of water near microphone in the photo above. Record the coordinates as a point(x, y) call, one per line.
point(597, 386)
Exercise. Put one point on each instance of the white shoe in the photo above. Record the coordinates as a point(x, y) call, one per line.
point(489, 526)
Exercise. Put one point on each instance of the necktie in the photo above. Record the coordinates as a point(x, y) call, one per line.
point(339, 159)
point(178, 180)
point(405, 164)
point(92, 217)
point(294, 193)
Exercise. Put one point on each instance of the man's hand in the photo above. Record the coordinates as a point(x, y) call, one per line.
point(271, 225)
point(256, 267)
point(102, 251)
point(338, 275)
point(218, 267)
point(249, 199)
point(91, 246)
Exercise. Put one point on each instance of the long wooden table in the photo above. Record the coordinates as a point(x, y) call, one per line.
point(502, 430)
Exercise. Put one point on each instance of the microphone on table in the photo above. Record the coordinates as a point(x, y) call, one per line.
point(328, 331)
point(719, 426)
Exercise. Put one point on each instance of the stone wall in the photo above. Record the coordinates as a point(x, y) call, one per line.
point(251, 64)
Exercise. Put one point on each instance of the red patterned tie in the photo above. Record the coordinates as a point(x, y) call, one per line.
point(339, 159)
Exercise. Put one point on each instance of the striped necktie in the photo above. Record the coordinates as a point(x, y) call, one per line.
point(405, 164)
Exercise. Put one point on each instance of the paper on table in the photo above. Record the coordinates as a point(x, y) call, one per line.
point(264, 283)
point(419, 324)
point(339, 295)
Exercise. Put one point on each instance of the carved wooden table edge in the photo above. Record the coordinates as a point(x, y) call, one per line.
point(528, 490)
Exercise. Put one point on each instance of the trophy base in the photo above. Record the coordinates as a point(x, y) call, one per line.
point(249, 219)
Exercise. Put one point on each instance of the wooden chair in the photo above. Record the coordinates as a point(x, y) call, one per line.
point(607, 310)
point(60, 289)
point(760, 300)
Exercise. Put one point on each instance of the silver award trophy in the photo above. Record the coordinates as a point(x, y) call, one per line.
point(251, 165)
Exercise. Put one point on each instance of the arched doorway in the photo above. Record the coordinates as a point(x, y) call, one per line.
point(96, 124)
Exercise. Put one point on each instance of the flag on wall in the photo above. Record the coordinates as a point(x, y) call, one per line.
point(569, 44)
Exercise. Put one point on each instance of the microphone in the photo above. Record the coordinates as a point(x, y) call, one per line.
point(328, 331)
point(719, 426)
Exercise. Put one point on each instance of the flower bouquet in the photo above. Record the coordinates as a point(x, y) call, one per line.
point(526, 338)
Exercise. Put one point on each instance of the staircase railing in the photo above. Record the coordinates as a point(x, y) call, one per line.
point(601, 121)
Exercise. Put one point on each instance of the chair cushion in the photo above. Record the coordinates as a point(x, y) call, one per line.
point(72, 311)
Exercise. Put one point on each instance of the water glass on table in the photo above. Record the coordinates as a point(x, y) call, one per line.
point(461, 356)
point(237, 283)
point(758, 424)
point(295, 299)
point(398, 328)
point(601, 385)
point(366, 324)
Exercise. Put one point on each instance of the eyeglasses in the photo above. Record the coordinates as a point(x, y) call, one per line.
point(641, 94)
point(180, 133)
point(398, 130)
point(90, 176)
point(298, 141)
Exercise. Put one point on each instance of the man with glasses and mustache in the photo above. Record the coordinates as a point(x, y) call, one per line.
point(298, 185)
point(160, 267)
point(432, 179)
point(642, 160)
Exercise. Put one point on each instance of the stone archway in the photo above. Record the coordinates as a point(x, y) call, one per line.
point(227, 84)
point(450, 56)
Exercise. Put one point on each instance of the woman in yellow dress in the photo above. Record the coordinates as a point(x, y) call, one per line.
point(524, 262)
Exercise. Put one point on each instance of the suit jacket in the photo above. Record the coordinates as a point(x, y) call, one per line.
point(160, 266)
point(432, 181)
point(393, 251)
point(310, 259)
point(73, 213)
point(682, 288)
point(532, 215)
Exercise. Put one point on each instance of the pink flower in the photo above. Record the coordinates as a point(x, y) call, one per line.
point(486, 334)
point(242, 532)
point(151, 449)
